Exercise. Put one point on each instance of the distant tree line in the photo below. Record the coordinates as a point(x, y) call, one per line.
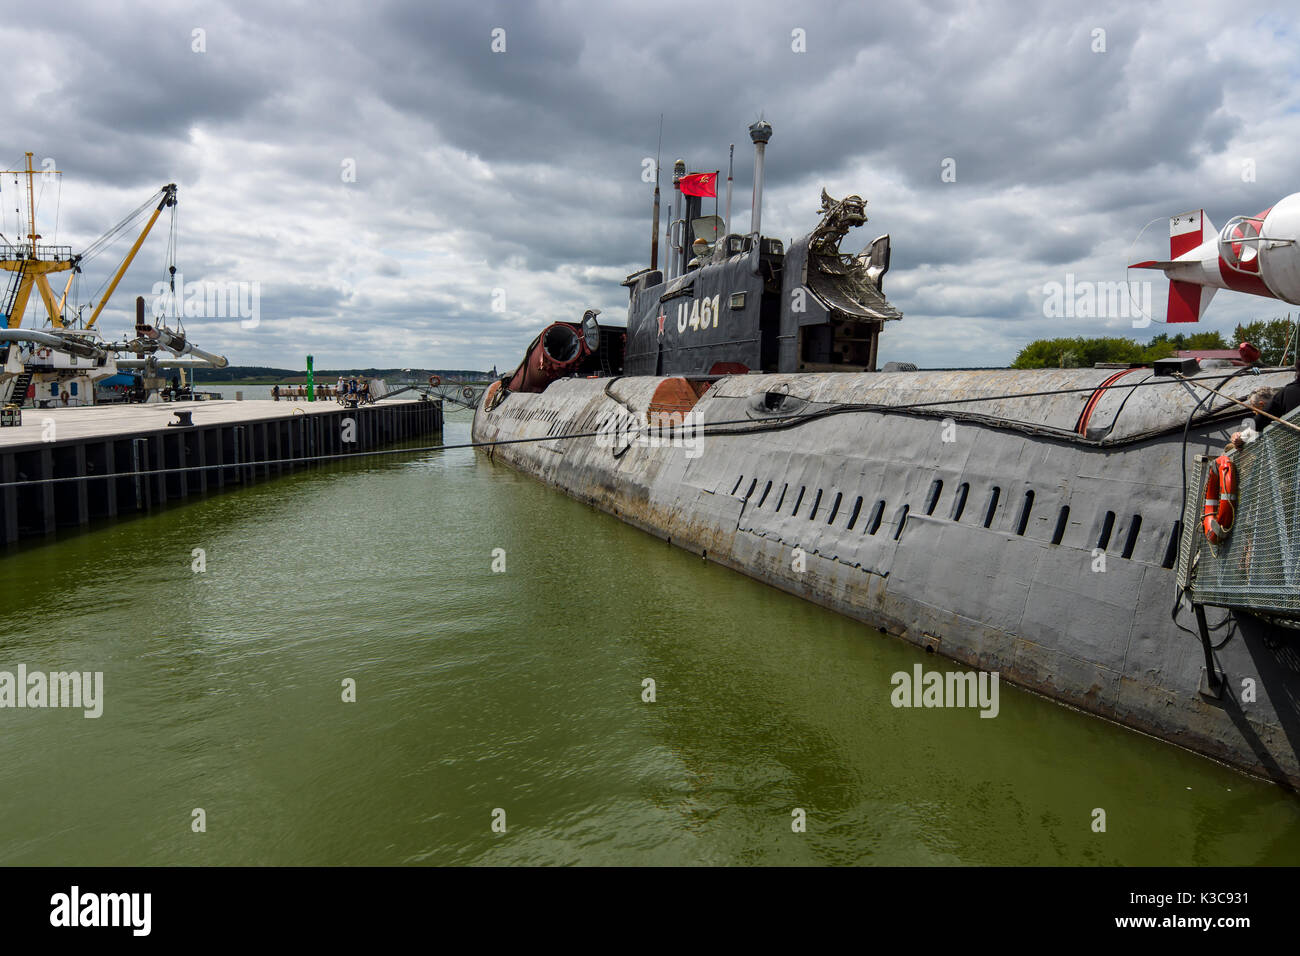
point(1271, 336)
point(244, 373)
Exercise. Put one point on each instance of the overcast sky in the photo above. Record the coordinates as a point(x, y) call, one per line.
point(520, 170)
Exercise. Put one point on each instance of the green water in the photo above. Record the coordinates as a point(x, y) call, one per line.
point(522, 691)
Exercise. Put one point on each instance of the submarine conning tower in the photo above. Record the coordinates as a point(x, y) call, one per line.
point(727, 303)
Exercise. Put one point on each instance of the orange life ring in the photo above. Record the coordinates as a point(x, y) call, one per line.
point(1220, 500)
point(64, 396)
point(435, 381)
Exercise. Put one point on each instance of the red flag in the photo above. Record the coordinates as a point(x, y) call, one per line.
point(699, 184)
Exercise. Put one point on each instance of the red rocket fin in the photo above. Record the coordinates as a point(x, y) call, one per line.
point(1187, 231)
point(1187, 301)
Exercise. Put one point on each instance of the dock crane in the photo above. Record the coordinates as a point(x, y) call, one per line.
point(70, 349)
point(32, 263)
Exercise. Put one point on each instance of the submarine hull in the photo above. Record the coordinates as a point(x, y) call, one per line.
point(1033, 536)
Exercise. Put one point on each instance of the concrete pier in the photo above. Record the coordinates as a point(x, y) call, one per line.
point(229, 443)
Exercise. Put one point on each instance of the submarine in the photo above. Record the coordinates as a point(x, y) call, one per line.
point(1045, 525)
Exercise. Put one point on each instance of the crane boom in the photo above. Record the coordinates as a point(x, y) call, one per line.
point(168, 199)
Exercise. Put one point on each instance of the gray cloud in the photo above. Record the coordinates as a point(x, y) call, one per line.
point(495, 192)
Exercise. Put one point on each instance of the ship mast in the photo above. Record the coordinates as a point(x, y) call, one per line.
point(31, 206)
point(32, 270)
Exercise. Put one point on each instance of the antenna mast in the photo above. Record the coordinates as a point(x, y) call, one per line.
point(654, 229)
point(31, 206)
point(731, 162)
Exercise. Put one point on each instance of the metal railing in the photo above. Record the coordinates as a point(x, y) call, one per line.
point(23, 250)
point(1257, 567)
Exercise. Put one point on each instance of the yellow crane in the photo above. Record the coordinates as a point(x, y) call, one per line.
point(33, 263)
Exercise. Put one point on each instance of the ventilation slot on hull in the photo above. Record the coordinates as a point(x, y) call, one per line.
point(1171, 552)
point(835, 507)
point(873, 525)
point(932, 502)
point(1131, 541)
point(992, 509)
point(1107, 526)
point(1062, 520)
point(817, 503)
point(902, 522)
point(857, 509)
point(763, 496)
point(959, 500)
point(1025, 508)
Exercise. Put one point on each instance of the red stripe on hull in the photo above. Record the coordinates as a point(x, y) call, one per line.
point(1081, 426)
point(1242, 281)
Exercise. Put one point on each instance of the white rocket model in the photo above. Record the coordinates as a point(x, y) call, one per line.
point(1254, 254)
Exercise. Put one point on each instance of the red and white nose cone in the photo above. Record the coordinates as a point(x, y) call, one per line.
point(1279, 249)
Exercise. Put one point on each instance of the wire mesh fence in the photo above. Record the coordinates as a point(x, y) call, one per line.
point(1258, 565)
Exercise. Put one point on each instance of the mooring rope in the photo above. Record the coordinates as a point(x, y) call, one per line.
point(701, 429)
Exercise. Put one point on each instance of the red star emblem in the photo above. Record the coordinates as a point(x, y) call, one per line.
point(661, 321)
